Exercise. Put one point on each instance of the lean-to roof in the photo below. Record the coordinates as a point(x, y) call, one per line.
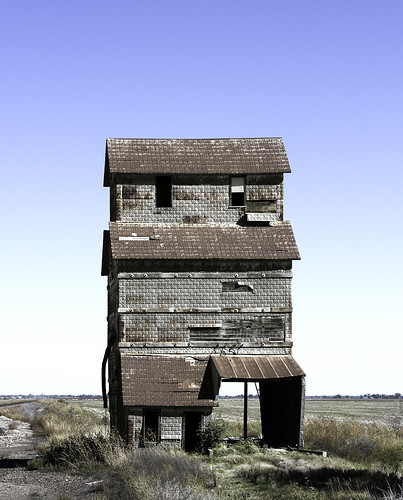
point(163, 380)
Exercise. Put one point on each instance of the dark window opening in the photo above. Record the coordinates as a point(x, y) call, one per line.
point(163, 190)
point(237, 191)
point(237, 199)
point(235, 286)
point(150, 429)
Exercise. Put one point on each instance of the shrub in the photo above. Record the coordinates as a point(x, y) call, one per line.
point(81, 450)
point(212, 434)
point(246, 447)
point(13, 425)
point(75, 437)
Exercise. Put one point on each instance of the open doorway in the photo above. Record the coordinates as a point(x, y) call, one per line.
point(192, 426)
point(272, 410)
point(151, 427)
point(241, 414)
point(281, 403)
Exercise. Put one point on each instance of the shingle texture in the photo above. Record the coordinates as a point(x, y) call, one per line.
point(202, 241)
point(195, 156)
point(163, 381)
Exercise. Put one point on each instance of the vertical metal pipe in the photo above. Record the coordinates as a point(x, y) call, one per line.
point(302, 415)
point(245, 410)
point(103, 374)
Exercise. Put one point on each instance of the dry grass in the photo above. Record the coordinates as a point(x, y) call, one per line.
point(60, 420)
point(76, 437)
point(365, 461)
point(357, 441)
point(276, 475)
point(76, 440)
point(147, 474)
point(15, 412)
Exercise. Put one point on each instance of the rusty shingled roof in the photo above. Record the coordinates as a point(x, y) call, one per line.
point(245, 368)
point(195, 156)
point(163, 380)
point(202, 241)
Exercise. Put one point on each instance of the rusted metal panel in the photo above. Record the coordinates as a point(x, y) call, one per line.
point(244, 368)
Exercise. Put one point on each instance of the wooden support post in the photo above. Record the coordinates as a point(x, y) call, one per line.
point(245, 410)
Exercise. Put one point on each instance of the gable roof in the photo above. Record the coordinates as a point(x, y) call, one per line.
point(195, 156)
point(127, 241)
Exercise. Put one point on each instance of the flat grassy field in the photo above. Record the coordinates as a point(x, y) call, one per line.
point(367, 410)
point(386, 411)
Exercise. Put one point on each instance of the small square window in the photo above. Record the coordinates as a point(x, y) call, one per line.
point(237, 193)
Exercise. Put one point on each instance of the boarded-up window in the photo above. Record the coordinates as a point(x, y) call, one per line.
point(260, 329)
point(261, 206)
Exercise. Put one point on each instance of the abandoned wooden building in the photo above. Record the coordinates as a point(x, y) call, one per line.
point(198, 259)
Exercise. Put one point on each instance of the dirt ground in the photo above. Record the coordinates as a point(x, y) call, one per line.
point(18, 445)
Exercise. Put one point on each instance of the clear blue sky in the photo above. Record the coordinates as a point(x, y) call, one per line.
point(327, 76)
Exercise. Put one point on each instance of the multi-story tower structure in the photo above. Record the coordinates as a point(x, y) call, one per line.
point(199, 261)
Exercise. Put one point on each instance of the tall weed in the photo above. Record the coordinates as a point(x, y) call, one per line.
point(83, 451)
point(152, 473)
point(358, 441)
point(235, 429)
point(61, 419)
point(15, 412)
point(76, 438)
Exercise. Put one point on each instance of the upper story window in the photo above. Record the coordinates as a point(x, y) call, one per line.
point(237, 194)
point(163, 191)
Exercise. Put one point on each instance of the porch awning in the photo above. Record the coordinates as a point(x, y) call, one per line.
point(246, 369)
point(254, 368)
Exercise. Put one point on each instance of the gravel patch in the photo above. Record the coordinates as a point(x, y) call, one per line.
point(17, 445)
